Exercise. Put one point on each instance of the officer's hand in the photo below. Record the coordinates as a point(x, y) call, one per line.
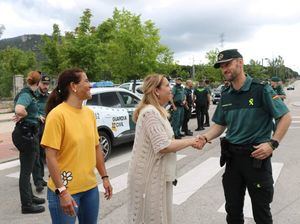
point(263, 151)
point(16, 118)
point(198, 142)
point(174, 108)
point(42, 119)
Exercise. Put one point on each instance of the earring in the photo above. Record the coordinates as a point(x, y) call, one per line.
point(75, 90)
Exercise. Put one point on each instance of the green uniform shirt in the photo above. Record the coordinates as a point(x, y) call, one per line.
point(28, 99)
point(178, 94)
point(249, 112)
point(41, 102)
point(279, 90)
point(201, 95)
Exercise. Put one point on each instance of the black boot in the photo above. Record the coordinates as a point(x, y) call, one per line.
point(39, 188)
point(37, 200)
point(32, 208)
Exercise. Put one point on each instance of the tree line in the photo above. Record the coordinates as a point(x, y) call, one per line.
point(121, 48)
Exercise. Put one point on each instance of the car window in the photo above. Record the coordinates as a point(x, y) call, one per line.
point(110, 99)
point(94, 101)
point(125, 86)
point(129, 99)
point(139, 90)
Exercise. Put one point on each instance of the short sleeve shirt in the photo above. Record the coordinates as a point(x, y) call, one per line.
point(73, 133)
point(248, 113)
point(28, 100)
point(178, 94)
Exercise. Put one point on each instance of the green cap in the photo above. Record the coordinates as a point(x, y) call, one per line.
point(227, 55)
point(275, 79)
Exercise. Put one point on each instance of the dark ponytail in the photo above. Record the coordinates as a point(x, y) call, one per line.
point(61, 92)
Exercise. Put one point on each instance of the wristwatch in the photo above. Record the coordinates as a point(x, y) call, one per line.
point(274, 143)
point(59, 190)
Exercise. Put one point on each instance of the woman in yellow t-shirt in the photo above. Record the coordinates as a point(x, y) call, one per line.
point(73, 152)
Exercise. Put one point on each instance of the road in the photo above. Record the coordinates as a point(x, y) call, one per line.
point(198, 197)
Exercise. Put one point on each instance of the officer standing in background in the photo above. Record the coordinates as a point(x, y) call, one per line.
point(246, 109)
point(201, 99)
point(188, 91)
point(178, 103)
point(38, 169)
point(206, 114)
point(25, 138)
point(277, 86)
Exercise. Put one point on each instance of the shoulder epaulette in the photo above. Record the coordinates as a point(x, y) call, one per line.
point(225, 88)
point(261, 82)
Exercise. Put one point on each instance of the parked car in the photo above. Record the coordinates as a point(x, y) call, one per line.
point(129, 86)
point(290, 87)
point(113, 108)
point(216, 94)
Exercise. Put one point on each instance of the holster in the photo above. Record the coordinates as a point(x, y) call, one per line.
point(225, 153)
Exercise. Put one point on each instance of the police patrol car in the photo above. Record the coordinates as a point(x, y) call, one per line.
point(113, 108)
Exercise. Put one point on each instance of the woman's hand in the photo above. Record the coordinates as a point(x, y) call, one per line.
point(67, 203)
point(108, 189)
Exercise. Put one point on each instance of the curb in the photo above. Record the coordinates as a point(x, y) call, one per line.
point(5, 120)
point(9, 159)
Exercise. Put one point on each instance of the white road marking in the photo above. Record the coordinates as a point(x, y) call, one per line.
point(14, 175)
point(294, 127)
point(194, 179)
point(10, 164)
point(119, 183)
point(118, 160)
point(276, 167)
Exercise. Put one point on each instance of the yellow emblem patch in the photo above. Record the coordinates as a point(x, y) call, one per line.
point(251, 102)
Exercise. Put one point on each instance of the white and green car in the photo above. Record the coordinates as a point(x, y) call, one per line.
point(113, 108)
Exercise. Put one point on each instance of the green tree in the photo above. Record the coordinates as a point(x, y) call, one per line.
point(133, 48)
point(212, 56)
point(52, 49)
point(14, 61)
point(84, 49)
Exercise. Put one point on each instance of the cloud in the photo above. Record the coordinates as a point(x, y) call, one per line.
point(187, 27)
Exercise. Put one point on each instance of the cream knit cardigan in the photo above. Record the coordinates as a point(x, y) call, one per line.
point(149, 170)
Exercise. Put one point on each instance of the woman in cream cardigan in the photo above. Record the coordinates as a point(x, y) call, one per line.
point(153, 163)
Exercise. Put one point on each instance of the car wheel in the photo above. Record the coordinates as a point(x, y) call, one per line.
point(106, 145)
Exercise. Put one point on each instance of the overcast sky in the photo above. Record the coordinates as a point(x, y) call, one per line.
point(258, 28)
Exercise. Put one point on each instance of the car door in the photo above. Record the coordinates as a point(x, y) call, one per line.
point(129, 102)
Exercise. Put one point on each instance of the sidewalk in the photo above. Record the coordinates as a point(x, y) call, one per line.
point(5, 116)
point(7, 149)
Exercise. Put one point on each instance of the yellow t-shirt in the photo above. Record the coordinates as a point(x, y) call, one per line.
point(74, 134)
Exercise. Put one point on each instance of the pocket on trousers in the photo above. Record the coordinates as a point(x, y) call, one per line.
point(264, 189)
point(21, 141)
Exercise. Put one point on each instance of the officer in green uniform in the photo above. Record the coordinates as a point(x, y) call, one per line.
point(25, 138)
point(246, 109)
point(188, 91)
point(42, 97)
point(178, 104)
point(276, 85)
point(201, 99)
point(206, 114)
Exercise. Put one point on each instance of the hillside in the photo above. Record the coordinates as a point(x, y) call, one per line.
point(28, 42)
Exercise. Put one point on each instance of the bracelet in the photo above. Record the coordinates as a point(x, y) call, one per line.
point(104, 177)
point(206, 139)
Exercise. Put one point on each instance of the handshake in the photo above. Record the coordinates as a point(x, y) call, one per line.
point(199, 141)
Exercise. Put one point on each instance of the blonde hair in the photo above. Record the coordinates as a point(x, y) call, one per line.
point(33, 77)
point(151, 82)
